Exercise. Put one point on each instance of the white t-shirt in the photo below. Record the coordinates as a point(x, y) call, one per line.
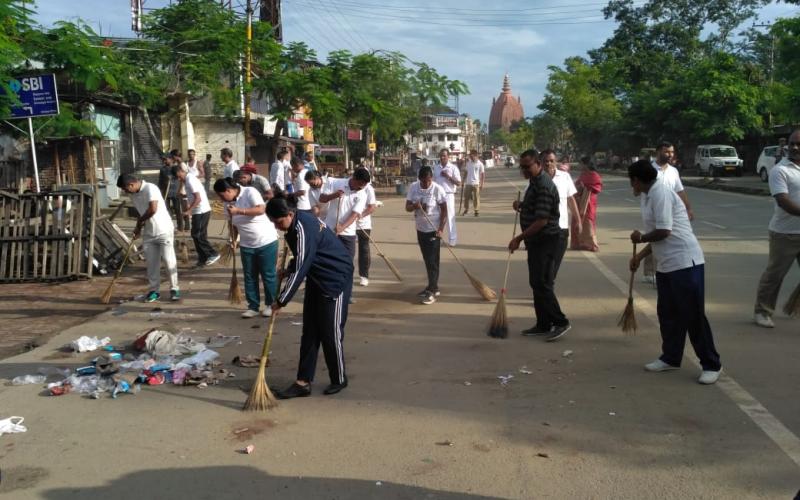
point(474, 171)
point(193, 168)
point(669, 176)
point(254, 231)
point(785, 178)
point(288, 175)
point(161, 222)
point(300, 184)
point(662, 208)
point(276, 176)
point(430, 198)
point(452, 171)
point(315, 193)
point(351, 201)
point(230, 168)
point(195, 188)
point(366, 222)
point(566, 188)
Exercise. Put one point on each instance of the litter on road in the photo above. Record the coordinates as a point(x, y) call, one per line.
point(12, 425)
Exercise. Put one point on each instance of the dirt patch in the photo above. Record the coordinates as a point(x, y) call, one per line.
point(245, 431)
point(20, 478)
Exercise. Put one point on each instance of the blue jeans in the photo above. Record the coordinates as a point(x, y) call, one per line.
point(255, 262)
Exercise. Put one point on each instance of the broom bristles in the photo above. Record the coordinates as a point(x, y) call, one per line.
point(261, 397)
point(627, 321)
point(487, 293)
point(106, 297)
point(498, 327)
point(792, 306)
point(184, 252)
point(235, 293)
point(225, 253)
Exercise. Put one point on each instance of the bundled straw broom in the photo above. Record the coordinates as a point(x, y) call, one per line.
point(106, 297)
point(792, 306)
point(183, 251)
point(234, 292)
point(389, 264)
point(487, 293)
point(261, 397)
point(498, 327)
point(227, 249)
point(627, 321)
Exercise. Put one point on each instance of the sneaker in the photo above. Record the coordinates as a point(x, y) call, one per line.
point(295, 391)
point(249, 314)
point(709, 377)
point(212, 260)
point(174, 295)
point(428, 299)
point(659, 366)
point(335, 388)
point(152, 297)
point(558, 331)
point(425, 292)
point(363, 281)
point(763, 320)
point(267, 312)
point(649, 278)
point(536, 331)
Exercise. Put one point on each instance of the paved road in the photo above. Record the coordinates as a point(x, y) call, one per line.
point(589, 425)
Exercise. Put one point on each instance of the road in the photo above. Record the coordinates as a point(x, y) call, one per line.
point(425, 415)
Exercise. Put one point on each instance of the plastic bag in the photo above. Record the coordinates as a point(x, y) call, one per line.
point(12, 425)
point(85, 344)
point(200, 359)
point(28, 379)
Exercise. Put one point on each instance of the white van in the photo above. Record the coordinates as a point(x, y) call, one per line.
point(718, 160)
point(767, 160)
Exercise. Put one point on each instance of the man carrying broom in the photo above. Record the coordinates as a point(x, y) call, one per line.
point(538, 218)
point(320, 256)
point(258, 242)
point(680, 273)
point(428, 201)
point(155, 226)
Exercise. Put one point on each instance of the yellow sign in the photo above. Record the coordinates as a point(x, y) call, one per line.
point(373, 147)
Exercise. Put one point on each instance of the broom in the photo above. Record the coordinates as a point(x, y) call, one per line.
point(228, 249)
point(792, 306)
point(627, 321)
point(487, 293)
point(498, 327)
point(261, 397)
point(389, 264)
point(234, 292)
point(184, 251)
point(106, 297)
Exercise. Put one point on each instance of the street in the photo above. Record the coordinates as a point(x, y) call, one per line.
point(426, 414)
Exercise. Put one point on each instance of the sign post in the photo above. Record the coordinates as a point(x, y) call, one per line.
point(38, 96)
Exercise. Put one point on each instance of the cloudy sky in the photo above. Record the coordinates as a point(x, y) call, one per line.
point(474, 41)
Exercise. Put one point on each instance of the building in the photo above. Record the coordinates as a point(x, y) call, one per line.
point(441, 130)
point(506, 109)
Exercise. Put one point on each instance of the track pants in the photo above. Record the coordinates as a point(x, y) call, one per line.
point(430, 247)
point(200, 237)
point(364, 257)
point(156, 249)
point(324, 319)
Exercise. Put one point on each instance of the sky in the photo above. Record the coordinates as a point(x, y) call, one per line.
point(474, 41)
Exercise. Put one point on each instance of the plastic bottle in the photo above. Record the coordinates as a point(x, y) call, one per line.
point(28, 379)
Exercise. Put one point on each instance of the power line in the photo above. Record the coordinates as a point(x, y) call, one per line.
point(363, 41)
point(327, 45)
point(485, 12)
point(350, 40)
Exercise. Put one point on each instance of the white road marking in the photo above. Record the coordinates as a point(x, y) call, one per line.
point(630, 200)
point(766, 421)
point(712, 224)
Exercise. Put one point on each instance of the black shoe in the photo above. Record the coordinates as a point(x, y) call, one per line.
point(334, 388)
point(295, 391)
point(558, 332)
point(536, 331)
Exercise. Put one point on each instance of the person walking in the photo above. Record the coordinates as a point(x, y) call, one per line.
point(680, 274)
point(448, 176)
point(155, 226)
point(784, 231)
point(566, 202)
point(476, 173)
point(363, 232)
point(226, 155)
point(324, 264)
point(538, 219)
point(258, 242)
point(277, 171)
point(428, 201)
point(200, 211)
point(590, 184)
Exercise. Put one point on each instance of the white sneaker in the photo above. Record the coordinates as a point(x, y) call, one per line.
point(250, 313)
point(363, 281)
point(659, 366)
point(763, 320)
point(709, 377)
point(267, 312)
point(212, 260)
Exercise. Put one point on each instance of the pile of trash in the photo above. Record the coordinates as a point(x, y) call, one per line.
point(156, 357)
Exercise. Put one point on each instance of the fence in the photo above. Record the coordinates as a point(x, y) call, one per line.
point(46, 236)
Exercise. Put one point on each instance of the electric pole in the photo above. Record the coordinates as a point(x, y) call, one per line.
point(248, 139)
point(271, 13)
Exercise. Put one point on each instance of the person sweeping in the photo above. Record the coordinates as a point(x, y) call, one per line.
point(428, 201)
point(322, 258)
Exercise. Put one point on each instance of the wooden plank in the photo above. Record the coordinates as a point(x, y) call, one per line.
point(78, 232)
point(46, 246)
point(57, 162)
point(91, 229)
point(71, 269)
point(3, 230)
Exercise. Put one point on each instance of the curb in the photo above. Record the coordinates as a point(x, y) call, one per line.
point(711, 183)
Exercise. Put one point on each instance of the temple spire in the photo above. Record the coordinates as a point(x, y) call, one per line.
point(506, 84)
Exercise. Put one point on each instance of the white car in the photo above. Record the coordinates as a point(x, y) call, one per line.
point(717, 160)
point(766, 160)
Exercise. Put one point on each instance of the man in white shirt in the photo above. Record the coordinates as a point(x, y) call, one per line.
point(784, 231)
point(670, 177)
point(448, 176)
point(680, 274)
point(230, 164)
point(258, 242)
point(318, 186)
point(199, 209)
point(277, 171)
point(566, 202)
point(348, 202)
point(155, 226)
point(428, 201)
point(476, 173)
point(195, 167)
point(299, 194)
point(363, 231)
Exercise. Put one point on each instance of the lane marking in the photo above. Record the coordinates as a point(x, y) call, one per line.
point(749, 405)
point(712, 224)
point(630, 200)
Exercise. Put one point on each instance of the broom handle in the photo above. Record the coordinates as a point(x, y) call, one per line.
point(268, 343)
point(513, 233)
point(124, 260)
point(338, 212)
point(633, 273)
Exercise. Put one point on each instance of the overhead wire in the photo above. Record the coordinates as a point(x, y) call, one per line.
point(362, 41)
point(343, 34)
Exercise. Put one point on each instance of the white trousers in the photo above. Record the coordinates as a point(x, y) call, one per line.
point(451, 219)
point(155, 249)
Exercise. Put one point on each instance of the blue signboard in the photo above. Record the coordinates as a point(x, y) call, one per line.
point(37, 94)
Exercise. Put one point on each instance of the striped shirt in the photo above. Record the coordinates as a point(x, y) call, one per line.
point(540, 202)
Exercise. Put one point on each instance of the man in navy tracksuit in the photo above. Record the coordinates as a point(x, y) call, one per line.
point(323, 259)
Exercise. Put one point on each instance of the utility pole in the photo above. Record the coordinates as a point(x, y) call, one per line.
point(248, 139)
point(271, 13)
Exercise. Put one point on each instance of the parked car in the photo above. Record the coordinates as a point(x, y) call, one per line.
point(766, 160)
point(718, 160)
